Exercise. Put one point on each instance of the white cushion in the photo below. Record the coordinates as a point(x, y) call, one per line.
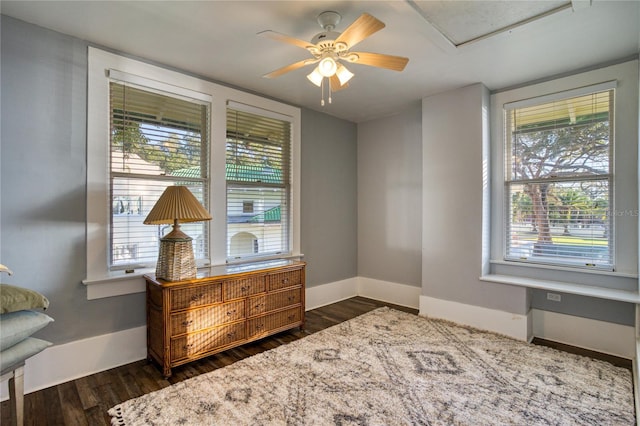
point(17, 326)
point(16, 354)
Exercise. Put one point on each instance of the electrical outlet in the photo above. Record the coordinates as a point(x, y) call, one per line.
point(554, 296)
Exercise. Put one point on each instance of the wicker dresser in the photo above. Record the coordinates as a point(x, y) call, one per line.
point(221, 308)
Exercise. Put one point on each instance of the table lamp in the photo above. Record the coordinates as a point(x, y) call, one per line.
point(176, 260)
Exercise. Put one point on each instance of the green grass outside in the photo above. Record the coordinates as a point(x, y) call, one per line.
point(567, 239)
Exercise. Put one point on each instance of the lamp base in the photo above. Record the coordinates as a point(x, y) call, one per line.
point(176, 261)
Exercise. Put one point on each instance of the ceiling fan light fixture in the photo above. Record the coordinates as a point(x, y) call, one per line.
point(327, 66)
point(315, 77)
point(344, 75)
point(330, 49)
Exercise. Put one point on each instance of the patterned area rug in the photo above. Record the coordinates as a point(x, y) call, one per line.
point(388, 367)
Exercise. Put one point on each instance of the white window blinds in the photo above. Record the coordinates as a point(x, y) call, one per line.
point(559, 181)
point(157, 139)
point(258, 176)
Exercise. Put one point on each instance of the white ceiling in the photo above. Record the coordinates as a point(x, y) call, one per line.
point(217, 39)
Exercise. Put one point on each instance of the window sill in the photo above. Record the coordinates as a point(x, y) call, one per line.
point(250, 260)
point(564, 268)
point(116, 283)
point(119, 283)
point(563, 287)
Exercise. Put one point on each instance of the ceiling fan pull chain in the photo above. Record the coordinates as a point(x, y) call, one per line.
point(322, 92)
point(329, 92)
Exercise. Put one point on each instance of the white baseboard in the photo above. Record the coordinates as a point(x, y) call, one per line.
point(61, 363)
point(326, 294)
point(385, 291)
point(600, 336)
point(506, 323)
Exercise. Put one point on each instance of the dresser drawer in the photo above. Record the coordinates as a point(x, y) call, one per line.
point(223, 307)
point(274, 321)
point(272, 301)
point(206, 341)
point(202, 294)
point(282, 299)
point(256, 305)
point(285, 279)
point(234, 289)
point(198, 319)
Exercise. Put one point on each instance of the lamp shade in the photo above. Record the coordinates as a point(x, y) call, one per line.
point(315, 77)
point(177, 202)
point(344, 75)
point(327, 66)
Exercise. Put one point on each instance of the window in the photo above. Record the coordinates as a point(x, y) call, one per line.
point(157, 139)
point(247, 206)
point(258, 176)
point(559, 179)
point(149, 127)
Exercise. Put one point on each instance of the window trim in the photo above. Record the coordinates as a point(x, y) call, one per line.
point(625, 277)
point(286, 186)
point(101, 64)
point(609, 177)
point(163, 89)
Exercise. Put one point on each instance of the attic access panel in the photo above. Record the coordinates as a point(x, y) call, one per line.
point(465, 22)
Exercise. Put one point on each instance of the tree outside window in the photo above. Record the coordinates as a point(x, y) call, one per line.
point(157, 140)
point(559, 181)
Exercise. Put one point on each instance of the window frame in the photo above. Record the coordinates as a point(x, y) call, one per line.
point(151, 180)
point(625, 193)
point(284, 186)
point(98, 199)
point(509, 182)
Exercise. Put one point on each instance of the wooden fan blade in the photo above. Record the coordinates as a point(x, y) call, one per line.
point(360, 29)
point(390, 62)
point(286, 39)
point(291, 67)
point(335, 83)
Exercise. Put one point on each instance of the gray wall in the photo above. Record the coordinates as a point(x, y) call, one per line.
point(329, 212)
point(586, 307)
point(356, 182)
point(43, 85)
point(454, 135)
point(390, 198)
point(452, 240)
point(625, 197)
point(43, 185)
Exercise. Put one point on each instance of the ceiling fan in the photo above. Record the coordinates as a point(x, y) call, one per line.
point(330, 48)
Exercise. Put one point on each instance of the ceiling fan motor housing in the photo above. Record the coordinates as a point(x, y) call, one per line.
point(325, 39)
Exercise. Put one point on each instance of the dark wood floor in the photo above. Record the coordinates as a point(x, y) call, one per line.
point(85, 401)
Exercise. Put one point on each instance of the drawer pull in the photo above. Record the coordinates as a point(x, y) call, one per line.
point(186, 323)
point(187, 347)
point(231, 335)
point(196, 297)
point(259, 305)
point(285, 281)
point(229, 313)
point(259, 327)
point(291, 317)
point(244, 289)
point(291, 298)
